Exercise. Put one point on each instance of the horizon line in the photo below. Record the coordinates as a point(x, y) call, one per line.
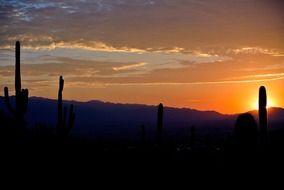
point(152, 105)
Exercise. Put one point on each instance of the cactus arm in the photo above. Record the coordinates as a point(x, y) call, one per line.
point(24, 100)
point(7, 100)
point(23, 103)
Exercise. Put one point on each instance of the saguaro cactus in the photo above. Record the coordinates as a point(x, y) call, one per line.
point(262, 114)
point(21, 94)
point(64, 127)
point(160, 123)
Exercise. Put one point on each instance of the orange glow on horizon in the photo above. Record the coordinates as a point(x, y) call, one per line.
point(270, 103)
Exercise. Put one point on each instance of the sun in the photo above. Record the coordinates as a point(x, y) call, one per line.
point(270, 103)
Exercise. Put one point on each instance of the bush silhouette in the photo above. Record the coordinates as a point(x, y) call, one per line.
point(245, 133)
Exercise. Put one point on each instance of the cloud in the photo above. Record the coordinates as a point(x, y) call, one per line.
point(262, 76)
point(105, 84)
point(113, 38)
point(124, 24)
point(265, 67)
point(127, 67)
point(102, 67)
point(47, 42)
point(44, 42)
point(256, 50)
point(90, 71)
point(119, 61)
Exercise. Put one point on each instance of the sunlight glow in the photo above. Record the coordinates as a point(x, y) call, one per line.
point(270, 103)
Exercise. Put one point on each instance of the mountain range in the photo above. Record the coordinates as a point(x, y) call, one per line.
point(103, 119)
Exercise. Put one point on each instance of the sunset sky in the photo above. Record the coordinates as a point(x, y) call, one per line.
point(202, 54)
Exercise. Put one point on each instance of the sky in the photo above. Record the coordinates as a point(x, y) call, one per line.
point(201, 54)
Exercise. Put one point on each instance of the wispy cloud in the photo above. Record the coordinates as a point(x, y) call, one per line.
point(127, 67)
point(47, 42)
point(44, 42)
point(265, 67)
point(102, 84)
point(256, 50)
point(266, 76)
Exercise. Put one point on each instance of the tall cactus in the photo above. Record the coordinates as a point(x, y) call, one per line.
point(63, 127)
point(59, 105)
point(262, 114)
point(21, 94)
point(160, 123)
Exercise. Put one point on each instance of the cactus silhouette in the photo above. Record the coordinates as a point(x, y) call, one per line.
point(160, 123)
point(245, 133)
point(21, 94)
point(63, 127)
point(262, 115)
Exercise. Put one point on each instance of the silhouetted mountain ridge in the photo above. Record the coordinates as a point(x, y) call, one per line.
point(100, 118)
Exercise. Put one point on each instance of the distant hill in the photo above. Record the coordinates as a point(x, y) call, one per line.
point(275, 114)
point(100, 119)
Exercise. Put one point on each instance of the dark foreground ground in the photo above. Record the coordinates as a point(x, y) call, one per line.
point(49, 152)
